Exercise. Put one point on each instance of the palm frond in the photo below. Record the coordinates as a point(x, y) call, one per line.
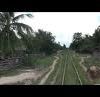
point(11, 14)
point(23, 27)
point(2, 18)
point(5, 17)
point(8, 29)
point(8, 41)
point(22, 16)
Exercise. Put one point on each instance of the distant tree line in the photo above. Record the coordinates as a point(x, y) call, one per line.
point(42, 42)
point(16, 36)
point(86, 43)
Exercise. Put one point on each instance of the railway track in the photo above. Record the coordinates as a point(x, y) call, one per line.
point(65, 65)
point(67, 72)
point(68, 56)
point(76, 71)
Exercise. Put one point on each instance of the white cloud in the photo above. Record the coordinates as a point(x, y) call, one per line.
point(64, 24)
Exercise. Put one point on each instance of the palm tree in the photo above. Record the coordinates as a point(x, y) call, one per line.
point(10, 29)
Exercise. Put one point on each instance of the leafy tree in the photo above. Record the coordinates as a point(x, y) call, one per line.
point(77, 40)
point(96, 36)
point(64, 46)
point(10, 29)
point(45, 41)
point(87, 43)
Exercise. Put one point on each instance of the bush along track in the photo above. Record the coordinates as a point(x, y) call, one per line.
point(67, 71)
point(43, 80)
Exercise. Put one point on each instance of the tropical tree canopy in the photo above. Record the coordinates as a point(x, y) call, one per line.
point(10, 29)
point(86, 43)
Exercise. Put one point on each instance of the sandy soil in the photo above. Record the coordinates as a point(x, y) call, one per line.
point(51, 70)
point(31, 74)
point(27, 75)
point(81, 64)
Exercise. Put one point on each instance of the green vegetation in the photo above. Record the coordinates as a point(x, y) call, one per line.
point(83, 75)
point(19, 40)
point(55, 72)
point(37, 62)
point(67, 58)
point(44, 62)
point(9, 27)
point(86, 43)
point(36, 50)
point(91, 61)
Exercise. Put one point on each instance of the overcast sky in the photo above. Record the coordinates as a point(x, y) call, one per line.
point(64, 24)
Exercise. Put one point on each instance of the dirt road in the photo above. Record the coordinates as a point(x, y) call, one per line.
point(82, 61)
point(51, 70)
point(81, 64)
point(29, 74)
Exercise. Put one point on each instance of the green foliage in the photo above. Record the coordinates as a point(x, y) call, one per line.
point(64, 46)
point(10, 29)
point(87, 43)
point(96, 37)
point(15, 35)
point(27, 60)
point(46, 41)
point(41, 42)
point(77, 41)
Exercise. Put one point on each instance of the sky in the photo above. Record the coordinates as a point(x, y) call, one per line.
point(63, 25)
